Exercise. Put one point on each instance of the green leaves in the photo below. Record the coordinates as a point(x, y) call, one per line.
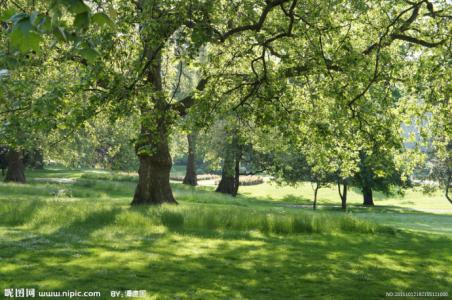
point(82, 20)
point(102, 19)
point(23, 37)
point(76, 6)
point(28, 30)
point(89, 54)
point(7, 14)
point(59, 34)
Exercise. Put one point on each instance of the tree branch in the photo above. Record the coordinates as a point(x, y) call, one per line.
point(256, 26)
point(414, 40)
point(183, 105)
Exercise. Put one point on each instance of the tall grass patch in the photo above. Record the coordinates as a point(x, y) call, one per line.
point(84, 216)
point(247, 219)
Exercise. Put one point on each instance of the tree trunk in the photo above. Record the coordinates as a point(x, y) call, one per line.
point(366, 179)
point(152, 147)
point(227, 182)
point(153, 180)
point(16, 168)
point(238, 158)
point(344, 199)
point(343, 195)
point(230, 176)
point(3, 159)
point(367, 196)
point(449, 178)
point(314, 204)
point(34, 159)
point(190, 174)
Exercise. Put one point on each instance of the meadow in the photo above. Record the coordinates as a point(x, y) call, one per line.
point(75, 230)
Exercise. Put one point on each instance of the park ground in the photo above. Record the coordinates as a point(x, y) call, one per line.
point(74, 230)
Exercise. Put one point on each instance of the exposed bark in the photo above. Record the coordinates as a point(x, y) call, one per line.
point(230, 176)
point(190, 174)
point(367, 196)
point(153, 181)
point(316, 190)
point(227, 183)
point(16, 167)
point(366, 180)
point(153, 148)
point(343, 194)
point(153, 186)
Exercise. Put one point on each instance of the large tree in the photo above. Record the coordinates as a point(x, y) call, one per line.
point(257, 55)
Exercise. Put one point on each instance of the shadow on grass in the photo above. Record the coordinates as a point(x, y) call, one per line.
point(102, 250)
point(204, 265)
point(99, 251)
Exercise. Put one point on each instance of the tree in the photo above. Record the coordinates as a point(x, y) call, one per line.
point(442, 173)
point(34, 159)
point(16, 167)
point(343, 193)
point(3, 159)
point(99, 143)
point(378, 172)
point(232, 155)
point(190, 174)
point(252, 59)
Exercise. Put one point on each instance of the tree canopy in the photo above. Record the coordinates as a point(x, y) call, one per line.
point(335, 79)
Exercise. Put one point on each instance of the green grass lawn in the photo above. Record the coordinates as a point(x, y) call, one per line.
point(84, 236)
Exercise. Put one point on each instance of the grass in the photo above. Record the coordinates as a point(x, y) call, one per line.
point(303, 194)
point(84, 236)
point(39, 214)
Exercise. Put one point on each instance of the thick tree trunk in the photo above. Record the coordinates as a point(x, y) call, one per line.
point(190, 174)
point(153, 181)
point(227, 183)
point(343, 195)
point(230, 176)
point(366, 178)
point(152, 147)
point(367, 196)
point(16, 168)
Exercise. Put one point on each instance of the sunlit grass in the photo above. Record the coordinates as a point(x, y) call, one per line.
point(85, 236)
point(37, 215)
point(413, 198)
